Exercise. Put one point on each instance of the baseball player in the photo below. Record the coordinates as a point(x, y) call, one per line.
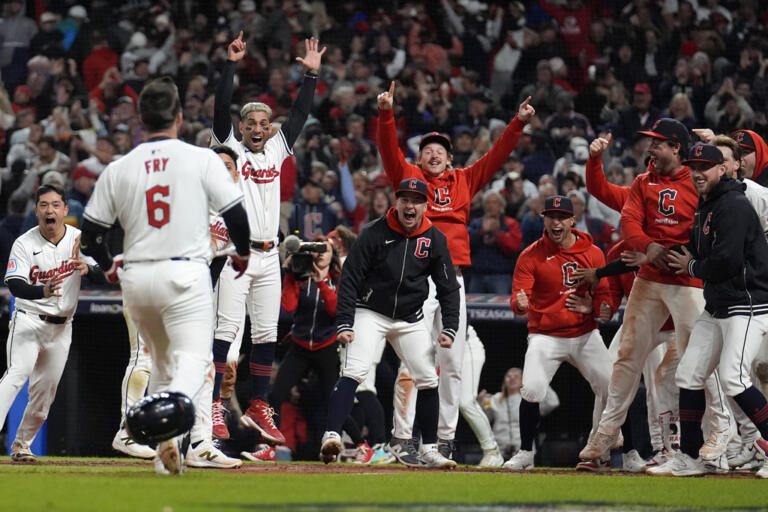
point(561, 323)
point(259, 160)
point(754, 155)
point(658, 214)
point(450, 193)
point(382, 290)
point(160, 193)
point(729, 252)
point(43, 274)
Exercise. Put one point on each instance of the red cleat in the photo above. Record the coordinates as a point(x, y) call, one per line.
point(364, 454)
point(263, 453)
point(220, 430)
point(259, 417)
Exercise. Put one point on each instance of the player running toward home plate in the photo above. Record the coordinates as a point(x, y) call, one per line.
point(382, 290)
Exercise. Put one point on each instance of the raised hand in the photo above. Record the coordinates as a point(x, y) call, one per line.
point(236, 49)
point(526, 111)
point(312, 56)
point(705, 134)
point(387, 98)
point(598, 145)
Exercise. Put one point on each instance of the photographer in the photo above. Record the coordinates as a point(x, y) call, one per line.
point(310, 294)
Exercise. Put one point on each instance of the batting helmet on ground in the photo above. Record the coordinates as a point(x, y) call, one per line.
point(160, 417)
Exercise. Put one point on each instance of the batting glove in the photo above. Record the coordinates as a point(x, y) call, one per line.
point(111, 274)
point(239, 263)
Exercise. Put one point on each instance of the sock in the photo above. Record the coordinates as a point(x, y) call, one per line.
point(262, 355)
point(692, 405)
point(754, 405)
point(220, 350)
point(341, 402)
point(626, 431)
point(529, 420)
point(427, 410)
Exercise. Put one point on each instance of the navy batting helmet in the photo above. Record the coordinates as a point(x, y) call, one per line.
point(160, 417)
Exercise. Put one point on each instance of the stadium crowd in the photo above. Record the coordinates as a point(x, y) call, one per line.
point(72, 74)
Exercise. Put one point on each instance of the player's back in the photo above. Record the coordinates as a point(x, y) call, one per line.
point(160, 193)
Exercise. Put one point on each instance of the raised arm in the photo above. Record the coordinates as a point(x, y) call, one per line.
point(613, 196)
point(386, 137)
point(303, 104)
point(222, 120)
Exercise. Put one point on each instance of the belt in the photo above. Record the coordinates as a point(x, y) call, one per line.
point(263, 245)
point(48, 318)
point(179, 258)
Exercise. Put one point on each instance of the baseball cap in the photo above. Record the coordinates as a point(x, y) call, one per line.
point(745, 140)
point(78, 11)
point(706, 153)
point(82, 172)
point(247, 6)
point(47, 17)
point(54, 178)
point(122, 127)
point(125, 99)
point(435, 137)
point(412, 185)
point(643, 87)
point(668, 129)
point(25, 89)
point(557, 204)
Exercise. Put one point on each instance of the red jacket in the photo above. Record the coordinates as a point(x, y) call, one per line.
point(544, 272)
point(612, 196)
point(660, 209)
point(450, 194)
point(96, 64)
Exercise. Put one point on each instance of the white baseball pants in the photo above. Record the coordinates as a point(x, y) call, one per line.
point(474, 359)
point(37, 350)
point(137, 372)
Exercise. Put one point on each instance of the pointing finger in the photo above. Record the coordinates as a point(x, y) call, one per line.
point(525, 102)
point(392, 88)
point(609, 138)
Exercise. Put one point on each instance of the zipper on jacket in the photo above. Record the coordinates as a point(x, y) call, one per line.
point(402, 273)
point(314, 311)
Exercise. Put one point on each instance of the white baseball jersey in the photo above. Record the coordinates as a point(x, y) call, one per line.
point(758, 198)
point(36, 261)
point(260, 182)
point(220, 242)
point(145, 189)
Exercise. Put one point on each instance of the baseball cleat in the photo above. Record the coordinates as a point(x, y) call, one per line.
point(220, 430)
point(330, 447)
point(660, 457)
point(404, 450)
point(763, 471)
point(748, 453)
point(431, 457)
point(761, 447)
point(521, 461)
point(259, 416)
point(491, 458)
point(381, 455)
point(263, 453)
point(364, 454)
point(206, 455)
point(169, 460)
point(715, 445)
point(684, 465)
point(124, 444)
point(595, 466)
point(598, 446)
point(446, 447)
point(23, 457)
point(632, 462)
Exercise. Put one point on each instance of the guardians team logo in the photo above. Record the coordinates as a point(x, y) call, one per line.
point(219, 231)
point(441, 196)
point(422, 247)
point(66, 269)
point(707, 224)
point(259, 175)
point(666, 201)
point(568, 270)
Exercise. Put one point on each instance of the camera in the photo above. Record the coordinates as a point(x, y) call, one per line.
point(302, 255)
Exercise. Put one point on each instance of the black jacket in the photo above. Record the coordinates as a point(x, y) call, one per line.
point(730, 252)
point(386, 271)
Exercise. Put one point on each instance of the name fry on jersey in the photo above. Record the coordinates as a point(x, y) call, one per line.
point(66, 269)
point(156, 164)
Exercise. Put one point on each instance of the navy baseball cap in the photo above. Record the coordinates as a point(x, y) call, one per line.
point(412, 185)
point(745, 140)
point(668, 129)
point(435, 137)
point(558, 204)
point(704, 153)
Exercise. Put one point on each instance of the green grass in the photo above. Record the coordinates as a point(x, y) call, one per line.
point(136, 488)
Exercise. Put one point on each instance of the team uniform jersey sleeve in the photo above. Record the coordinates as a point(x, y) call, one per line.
point(613, 196)
point(353, 273)
point(523, 279)
point(391, 156)
point(481, 172)
point(603, 291)
point(222, 193)
point(444, 277)
point(222, 120)
point(633, 218)
point(101, 208)
point(18, 263)
point(726, 258)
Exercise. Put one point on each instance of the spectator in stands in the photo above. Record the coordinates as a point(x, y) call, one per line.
point(727, 110)
point(17, 32)
point(101, 155)
point(603, 234)
point(50, 158)
point(10, 227)
point(680, 108)
point(565, 124)
point(543, 92)
point(311, 217)
point(640, 115)
point(495, 241)
point(541, 160)
point(83, 181)
point(533, 224)
point(48, 38)
point(101, 59)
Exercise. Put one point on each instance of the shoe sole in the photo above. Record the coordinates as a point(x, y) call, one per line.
point(448, 465)
point(330, 451)
point(24, 459)
point(168, 452)
point(220, 437)
point(214, 465)
point(250, 457)
point(127, 451)
point(592, 469)
point(524, 468)
point(249, 423)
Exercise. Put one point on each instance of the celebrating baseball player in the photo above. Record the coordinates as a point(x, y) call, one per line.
point(161, 193)
point(43, 274)
point(259, 160)
point(658, 214)
point(450, 193)
point(383, 287)
point(729, 252)
point(561, 323)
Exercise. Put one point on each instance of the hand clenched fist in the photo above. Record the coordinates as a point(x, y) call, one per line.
point(522, 301)
point(598, 145)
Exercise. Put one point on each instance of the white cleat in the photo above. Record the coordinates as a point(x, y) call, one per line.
point(431, 457)
point(632, 462)
point(330, 448)
point(124, 444)
point(491, 458)
point(521, 461)
point(715, 445)
point(681, 465)
point(205, 455)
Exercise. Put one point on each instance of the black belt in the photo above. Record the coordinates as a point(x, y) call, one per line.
point(48, 318)
point(261, 245)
